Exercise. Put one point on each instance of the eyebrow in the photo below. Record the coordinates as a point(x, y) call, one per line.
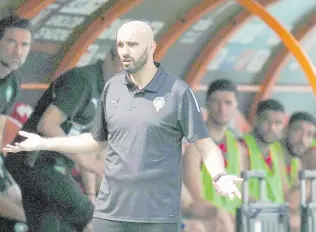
point(24, 42)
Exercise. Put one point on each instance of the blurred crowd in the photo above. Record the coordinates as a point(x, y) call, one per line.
point(279, 144)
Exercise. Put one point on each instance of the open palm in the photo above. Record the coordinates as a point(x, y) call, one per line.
point(227, 186)
point(31, 143)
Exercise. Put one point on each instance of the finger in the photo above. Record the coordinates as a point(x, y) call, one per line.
point(12, 147)
point(231, 195)
point(237, 179)
point(5, 149)
point(237, 193)
point(24, 134)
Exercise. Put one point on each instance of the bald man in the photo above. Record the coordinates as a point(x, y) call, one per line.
point(144, 113)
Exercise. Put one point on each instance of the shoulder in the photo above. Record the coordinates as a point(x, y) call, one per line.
point(113, 83)
point(309, 158)
point(177, 87)
point(177, 84)
point(76, 76)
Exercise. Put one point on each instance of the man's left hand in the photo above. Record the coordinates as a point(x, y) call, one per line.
point(226, 186)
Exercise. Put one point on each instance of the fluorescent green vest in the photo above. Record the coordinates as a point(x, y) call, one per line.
point(274, 190)
point(233, 168)
point(295, 163)
point(292, 178)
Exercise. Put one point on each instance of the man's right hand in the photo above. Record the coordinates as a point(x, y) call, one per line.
point(33, 142)
point(91, 165)
point(203, 210)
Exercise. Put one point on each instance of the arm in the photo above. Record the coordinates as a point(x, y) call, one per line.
point(191, 172)
point(50, 126)
point(10, 209)
point(244, 158)
point(211, 156)
point(186, 199)
point(194, 129)
point(89, 180)
point(86, 143)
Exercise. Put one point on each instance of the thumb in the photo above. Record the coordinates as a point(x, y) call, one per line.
point(24, 134)
point(237, 179)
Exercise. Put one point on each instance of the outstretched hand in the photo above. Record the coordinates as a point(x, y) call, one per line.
point(226, 186)
point(31, 143)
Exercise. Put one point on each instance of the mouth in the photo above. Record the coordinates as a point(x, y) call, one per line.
point(126, 61)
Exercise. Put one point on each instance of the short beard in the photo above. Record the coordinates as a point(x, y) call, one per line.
point(289, 149)
point(139, 64)
point(261, 139)
point(217, 123)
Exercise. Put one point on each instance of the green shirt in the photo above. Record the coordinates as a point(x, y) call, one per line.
point(8, 92)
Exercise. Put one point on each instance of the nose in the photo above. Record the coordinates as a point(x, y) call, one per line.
point(125, 51)
point(222, 108)
point(18, 50)
point(272, 127)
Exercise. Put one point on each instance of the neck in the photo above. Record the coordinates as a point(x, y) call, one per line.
point(4, 71)
point(217, 132)
point(144, 76)
point(263, 146)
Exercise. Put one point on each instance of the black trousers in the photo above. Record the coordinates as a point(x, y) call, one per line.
point(52, 200)
point(102, 225)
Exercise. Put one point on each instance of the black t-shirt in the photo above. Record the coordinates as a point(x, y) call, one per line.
point(9, 87)
point(76, 94)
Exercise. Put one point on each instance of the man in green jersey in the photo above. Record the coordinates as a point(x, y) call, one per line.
point(51, 198)
point(15, 40)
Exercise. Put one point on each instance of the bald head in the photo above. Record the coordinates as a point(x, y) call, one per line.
point(135, 45)
point(138, 29)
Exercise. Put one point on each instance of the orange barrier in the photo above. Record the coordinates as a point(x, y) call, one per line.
point(268, 84)
point(199, 67)
point(31, 8)
point(10, 130)
point(92, 32)
point(183, 24)
point(288, 39)
point(34, 86)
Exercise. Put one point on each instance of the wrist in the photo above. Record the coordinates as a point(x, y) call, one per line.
point(218, 176)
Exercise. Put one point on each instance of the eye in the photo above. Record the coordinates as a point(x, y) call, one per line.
point(11, 41)
point(132, 44)
point(120, 45)
point(228, 103)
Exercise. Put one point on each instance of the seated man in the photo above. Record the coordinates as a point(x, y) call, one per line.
point(298, 152)
point(263, 150)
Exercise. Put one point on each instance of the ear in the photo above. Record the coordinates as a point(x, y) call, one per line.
point(153, 47)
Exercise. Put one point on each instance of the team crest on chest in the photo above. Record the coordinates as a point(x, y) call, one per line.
point(8, 93)
point(158, 103)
